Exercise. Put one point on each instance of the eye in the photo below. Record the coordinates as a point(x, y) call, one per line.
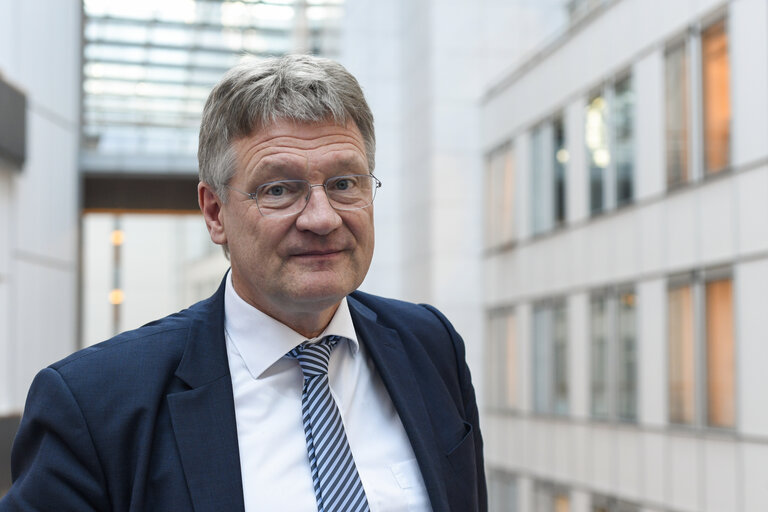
point(276, 190)
point(344, 183)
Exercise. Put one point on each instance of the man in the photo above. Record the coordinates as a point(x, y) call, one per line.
point(287, 389)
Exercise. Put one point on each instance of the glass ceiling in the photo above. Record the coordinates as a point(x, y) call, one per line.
point(148, 66)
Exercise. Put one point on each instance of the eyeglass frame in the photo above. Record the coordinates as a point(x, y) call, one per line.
point(252, 195)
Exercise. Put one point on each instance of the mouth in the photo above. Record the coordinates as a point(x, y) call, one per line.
point(318, 254)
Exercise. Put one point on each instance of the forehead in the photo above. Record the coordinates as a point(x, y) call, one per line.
point(288, 145)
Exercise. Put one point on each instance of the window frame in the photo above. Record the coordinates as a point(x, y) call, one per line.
point(609, 179)
point(495, 229)
point(497, 359)
point(613, 351)
point(705, 26)
point(545, 378)
point(545, 173)
point(694, 107)
point(697, 280)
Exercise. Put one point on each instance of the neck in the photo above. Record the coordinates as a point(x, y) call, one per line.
point(309, 325)
point(308, 317)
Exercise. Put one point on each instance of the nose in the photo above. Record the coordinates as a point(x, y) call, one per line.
point(318, 216)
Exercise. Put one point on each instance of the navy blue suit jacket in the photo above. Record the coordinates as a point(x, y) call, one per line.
point(146, 421)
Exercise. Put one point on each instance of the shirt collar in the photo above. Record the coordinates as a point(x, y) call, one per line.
point(262, 340)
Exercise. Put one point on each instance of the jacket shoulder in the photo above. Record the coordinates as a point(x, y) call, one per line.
point(396, 313)
point(149, 345)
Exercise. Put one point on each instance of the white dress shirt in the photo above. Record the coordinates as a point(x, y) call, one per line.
point(267, 390)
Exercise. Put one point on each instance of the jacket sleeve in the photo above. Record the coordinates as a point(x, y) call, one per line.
point(54, 464)
point(470, 407)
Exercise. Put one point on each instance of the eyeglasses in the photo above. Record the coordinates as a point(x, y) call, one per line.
point(289, 197)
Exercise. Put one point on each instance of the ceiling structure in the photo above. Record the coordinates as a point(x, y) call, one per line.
point(148, 66)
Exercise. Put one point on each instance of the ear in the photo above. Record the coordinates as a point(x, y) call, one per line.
point(211, 206)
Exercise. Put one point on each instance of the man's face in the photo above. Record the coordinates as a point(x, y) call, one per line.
point(305, 263)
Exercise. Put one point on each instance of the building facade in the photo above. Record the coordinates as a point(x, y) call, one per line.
point(39, 217)
point(626, 263)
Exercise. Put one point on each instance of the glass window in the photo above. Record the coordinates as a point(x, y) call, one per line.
point(551, 498)
point(502, 491)
point(609, 504)
point(502, 361)
point(559, 161)
point(676, 108)
point(701, 361)
point(550, 353)
point(560, 360)
point(613, 355)
point(681, 354)
point(600, 360)
point(542, 218)
point(598, 154)
point(175, 52)
point(717, 97)
point(624, 136)
point(542, 358)
point(500, 206)
point(627, 357)
point(720, 353)
point(549, 158)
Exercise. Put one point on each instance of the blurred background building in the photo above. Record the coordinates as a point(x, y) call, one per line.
point(626, 262)
point(582, 186)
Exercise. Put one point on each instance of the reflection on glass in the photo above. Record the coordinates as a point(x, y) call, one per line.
point(623, 115)
point(720, 353)
point(598, 154)
point(540, 193)
point(717, 97)
point(681, 354)
point(173, 52)
point(676, 108)
point(559, 161)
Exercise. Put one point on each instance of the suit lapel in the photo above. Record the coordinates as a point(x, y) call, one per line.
point(203, 417)
point(394, 366)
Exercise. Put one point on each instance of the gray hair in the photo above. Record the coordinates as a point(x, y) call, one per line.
point(256, 93)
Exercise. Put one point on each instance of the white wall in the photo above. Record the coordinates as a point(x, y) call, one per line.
point(40, 54)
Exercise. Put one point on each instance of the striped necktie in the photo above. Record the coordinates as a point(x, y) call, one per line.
point(337, 484)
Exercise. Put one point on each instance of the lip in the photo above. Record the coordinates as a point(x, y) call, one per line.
point(323, 253)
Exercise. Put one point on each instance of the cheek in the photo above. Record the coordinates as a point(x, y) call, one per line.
point(365, 236)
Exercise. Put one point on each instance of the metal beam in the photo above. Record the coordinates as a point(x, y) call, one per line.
point(140, 193)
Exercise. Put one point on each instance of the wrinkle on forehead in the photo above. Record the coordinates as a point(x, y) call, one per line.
point(271, 151)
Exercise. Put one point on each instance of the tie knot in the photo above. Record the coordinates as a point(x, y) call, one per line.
point(313, 358)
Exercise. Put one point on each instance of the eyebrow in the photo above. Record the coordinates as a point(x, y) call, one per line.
point(280, 165)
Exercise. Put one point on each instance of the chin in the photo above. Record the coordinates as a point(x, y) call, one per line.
point(327, 294)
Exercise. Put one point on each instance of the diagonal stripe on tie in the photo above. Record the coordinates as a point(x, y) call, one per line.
point(337, 484)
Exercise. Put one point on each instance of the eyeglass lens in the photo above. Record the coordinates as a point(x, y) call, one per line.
point(286, 197)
